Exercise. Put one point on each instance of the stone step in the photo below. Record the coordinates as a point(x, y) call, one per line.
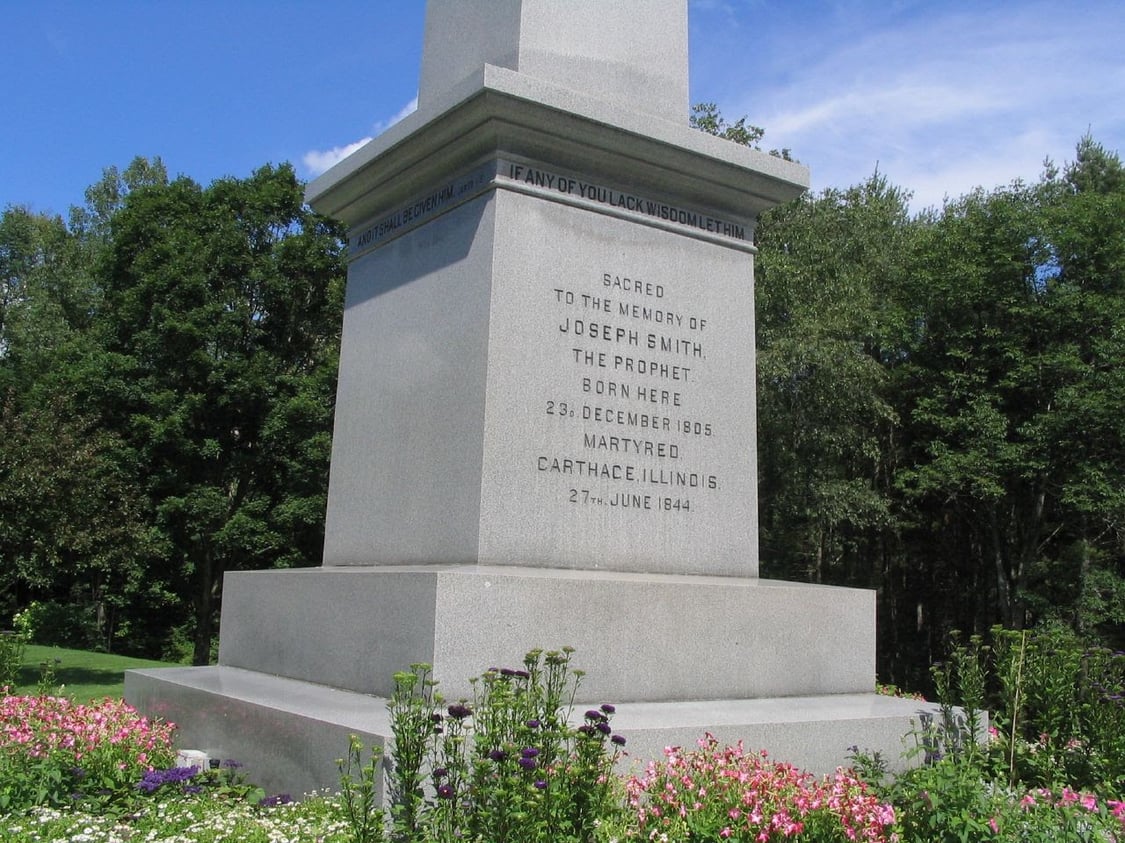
point(288, 734)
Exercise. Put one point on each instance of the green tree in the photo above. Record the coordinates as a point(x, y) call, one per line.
point(826, 334)
point(1084, 282)
point(73, 531)
point(706, 117)
point(1012, 394)
point(219, 327)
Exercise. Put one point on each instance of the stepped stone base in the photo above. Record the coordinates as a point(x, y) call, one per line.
point(289, 733)
point(307, 657)
point(639, 637)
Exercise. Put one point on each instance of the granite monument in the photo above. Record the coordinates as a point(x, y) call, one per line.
point(545, 425)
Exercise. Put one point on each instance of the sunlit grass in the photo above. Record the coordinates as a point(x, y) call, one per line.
point(86, 676)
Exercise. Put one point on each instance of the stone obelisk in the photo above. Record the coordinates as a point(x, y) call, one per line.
point(545, 425)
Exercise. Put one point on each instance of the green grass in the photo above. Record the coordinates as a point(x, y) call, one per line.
point(85, 676)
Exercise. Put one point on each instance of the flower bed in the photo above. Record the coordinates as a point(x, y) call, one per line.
point(508, 766)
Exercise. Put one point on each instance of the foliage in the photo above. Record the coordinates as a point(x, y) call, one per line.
point(952, 801)
point(1058, 708)
point(824, 320)
point(167, 368)
point(936, 405)
point(12, 646)
point(706, 117)
point(220, 311)
point(183, 819)
point(1012, 461)
point(514, 770)
point(359, 793)
point(52, 624)
point(508, 767)
point(1050, 767)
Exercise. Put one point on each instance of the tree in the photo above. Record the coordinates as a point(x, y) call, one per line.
point(1014, 448)
point(706, 117)
point(826, 326)
point(219, 326)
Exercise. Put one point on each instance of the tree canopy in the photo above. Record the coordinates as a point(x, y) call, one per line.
point(207, 326)
point(941, 401)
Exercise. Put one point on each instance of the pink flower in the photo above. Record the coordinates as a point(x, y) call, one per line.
point(1089, 802)
point(993, 826)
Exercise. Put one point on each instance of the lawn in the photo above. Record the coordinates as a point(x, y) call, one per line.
point(86, 676)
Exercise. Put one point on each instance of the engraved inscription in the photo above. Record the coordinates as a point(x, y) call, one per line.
point(635, 353)
point(533, 176)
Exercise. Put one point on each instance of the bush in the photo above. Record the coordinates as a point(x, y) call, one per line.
point(11, 657)
point(70, 625)
point(505, 767)
point(1058, 708)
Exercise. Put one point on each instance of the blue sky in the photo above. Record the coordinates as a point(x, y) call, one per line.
point(940, 96)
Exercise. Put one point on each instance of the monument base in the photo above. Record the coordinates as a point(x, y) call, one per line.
point(289, 733)
point(307, 657)
point(638, 637)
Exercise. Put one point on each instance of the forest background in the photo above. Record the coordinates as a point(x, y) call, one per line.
point(941, 403)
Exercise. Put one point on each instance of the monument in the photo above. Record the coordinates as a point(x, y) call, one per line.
point(545, 425)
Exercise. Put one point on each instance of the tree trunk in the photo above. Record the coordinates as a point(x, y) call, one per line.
point(204, 607)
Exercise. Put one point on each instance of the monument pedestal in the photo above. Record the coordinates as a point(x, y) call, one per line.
point(778, 665)
point(545, 429)
point(289, 733)
point(638, 636)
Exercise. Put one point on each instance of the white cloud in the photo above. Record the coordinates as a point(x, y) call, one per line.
point(317, 161)
point(403, 112)
point(943, 98)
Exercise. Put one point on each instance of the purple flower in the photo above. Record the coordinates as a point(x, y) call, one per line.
point(529, 752)
point(154, 779)
point(522, 674)
point(604, 728)
point(497, 755)
point(527, 763)
point(459, 711)
point(608, 709)
point(586, 729)
point(618, 739)
point(540, 784)
point(595, 715)
point(533, 724)
point(507, 671)
point(445, 792)
point(440, 773)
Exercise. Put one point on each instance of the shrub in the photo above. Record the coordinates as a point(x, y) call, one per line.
point(54, 624)
point(506, 766)
point(950, 800)
point(11, 657)
point(1058, 708)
